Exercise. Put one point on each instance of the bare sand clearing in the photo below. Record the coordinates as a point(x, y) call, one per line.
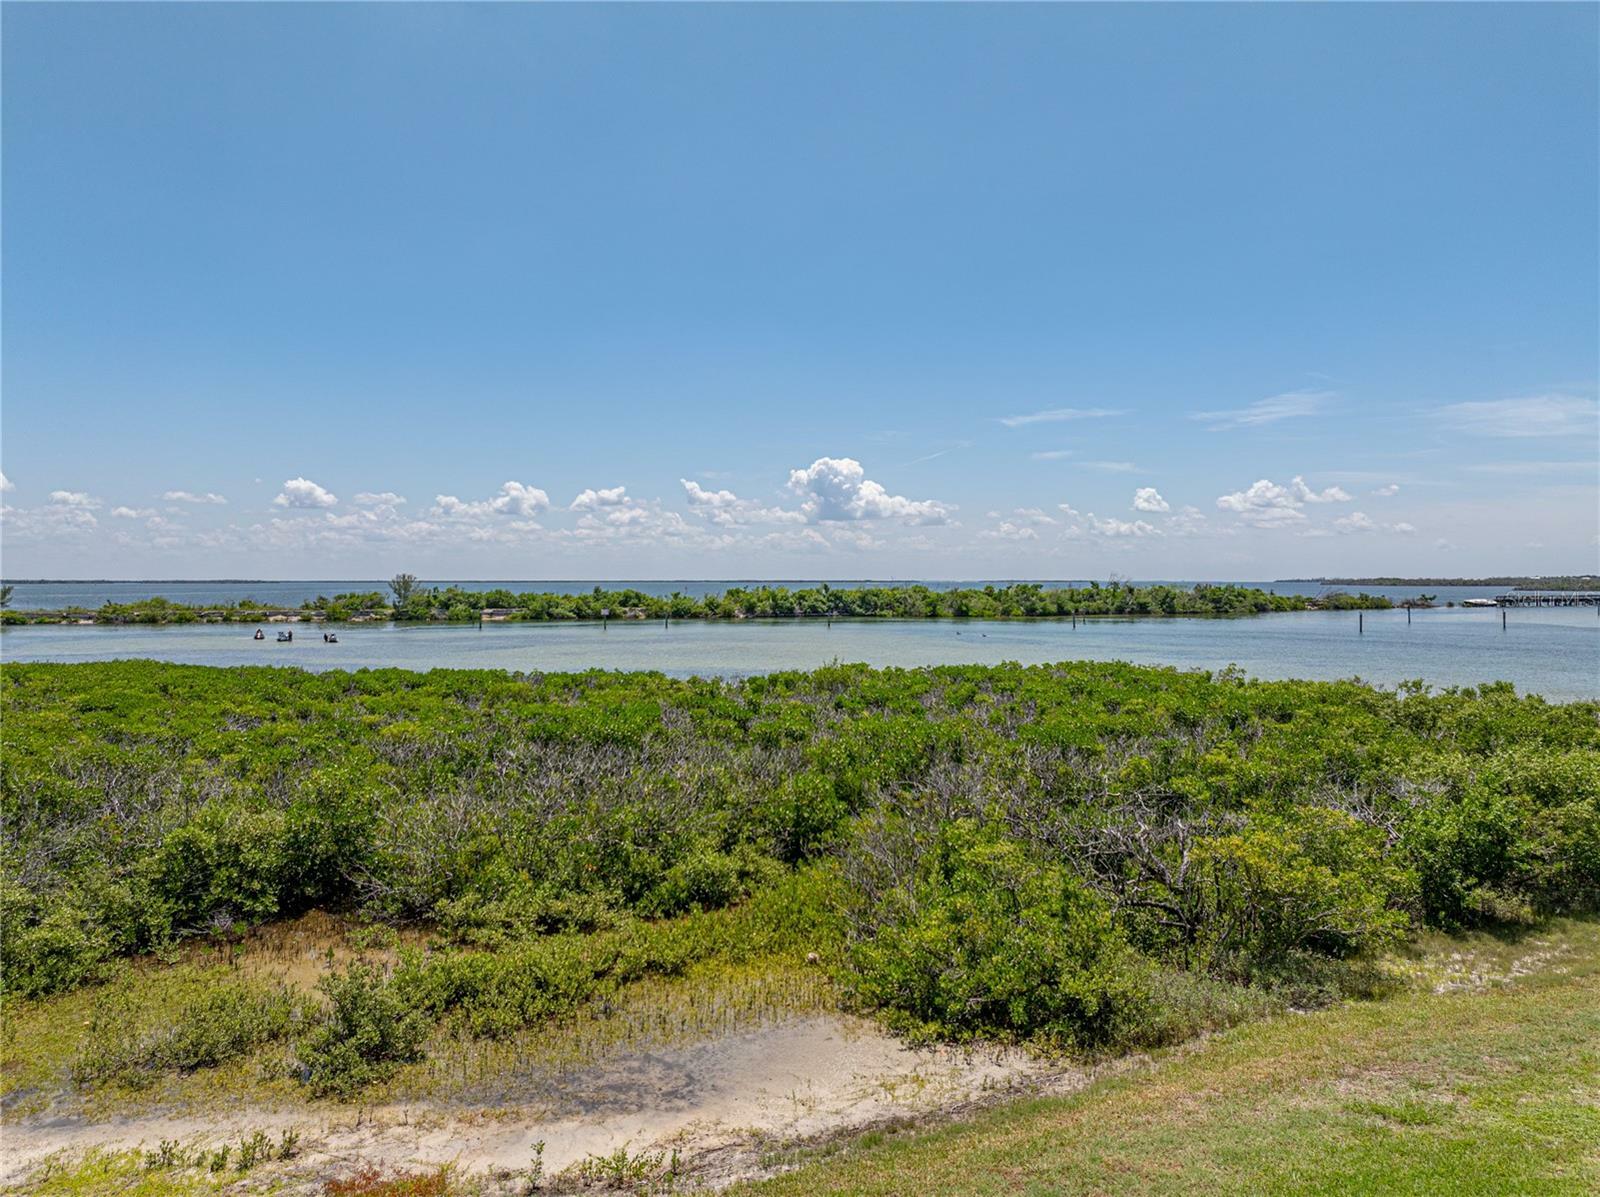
point(722, 1104)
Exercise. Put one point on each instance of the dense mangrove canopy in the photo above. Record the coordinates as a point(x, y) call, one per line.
point(1087, 854)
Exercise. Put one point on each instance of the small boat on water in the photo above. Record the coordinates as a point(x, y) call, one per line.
point(285, 637)
point(1479, 602)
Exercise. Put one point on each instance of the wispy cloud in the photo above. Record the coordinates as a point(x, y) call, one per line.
point(1006, 530)
point(937, 453)
point(1110, 467)
point(1528, 416)
point(1056, 415)
point(186, 496)
point(1051, 454)
point(1532, 467)
point(1288, 406)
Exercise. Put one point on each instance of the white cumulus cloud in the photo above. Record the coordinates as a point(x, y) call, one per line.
point(1266, 504)
point(185, 496)
point(6, 483)
point(74, 498)
point(592, 499)
point(1305, 494)
point(302, 492)
point(726, 509)
point(514, 499)
point(699, 496)
point(1147, 498)
point(1116, 527)
point(1356, 521)
point(1031, 515)
point(1263, 502)
point(1189, 521)
point(836, 489)
point(1387, 492)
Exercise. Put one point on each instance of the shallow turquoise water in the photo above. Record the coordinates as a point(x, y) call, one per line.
point(1553, 652)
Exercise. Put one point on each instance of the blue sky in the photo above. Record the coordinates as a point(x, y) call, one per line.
point(942, 291)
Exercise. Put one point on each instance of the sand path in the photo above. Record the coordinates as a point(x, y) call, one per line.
point(722, 1104)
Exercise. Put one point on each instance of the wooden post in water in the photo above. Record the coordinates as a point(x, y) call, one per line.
point(1361, 623)
point(1408, 617)
point(1502, 619)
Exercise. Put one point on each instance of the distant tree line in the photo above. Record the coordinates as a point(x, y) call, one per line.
point(1561, 582)
point(410, 601)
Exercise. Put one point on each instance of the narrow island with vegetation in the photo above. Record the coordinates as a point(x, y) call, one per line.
point(396, 933)
point(1510, 581)
point(410, 601)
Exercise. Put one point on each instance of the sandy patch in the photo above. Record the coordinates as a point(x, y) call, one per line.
point(722, 1104)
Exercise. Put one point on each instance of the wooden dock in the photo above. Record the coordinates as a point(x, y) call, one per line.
point(1549, 598)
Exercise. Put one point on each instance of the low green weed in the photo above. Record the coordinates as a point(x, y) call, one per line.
point(366, 1032)
point(226, 1023)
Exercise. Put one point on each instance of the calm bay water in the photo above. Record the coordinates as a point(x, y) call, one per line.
point(1553, 652)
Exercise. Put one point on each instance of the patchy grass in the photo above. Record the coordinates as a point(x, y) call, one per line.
point(54, 1049)
point(44, 1040)
point(202, 1170)
point(1486, 1089)
point(50, 1046)
point(129, 1174)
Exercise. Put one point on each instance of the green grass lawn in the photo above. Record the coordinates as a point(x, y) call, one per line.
point(1492, 1090)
